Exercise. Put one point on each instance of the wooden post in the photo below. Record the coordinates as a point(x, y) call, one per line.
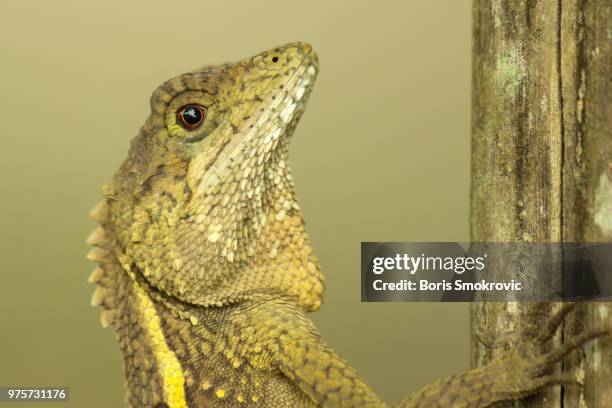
point(542, 159)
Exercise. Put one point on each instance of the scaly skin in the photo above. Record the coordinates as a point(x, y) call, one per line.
point(206, 272)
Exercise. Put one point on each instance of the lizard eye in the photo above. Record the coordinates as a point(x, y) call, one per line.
point(191, 116)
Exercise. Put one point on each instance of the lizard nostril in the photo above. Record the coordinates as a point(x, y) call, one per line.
point(274, 59)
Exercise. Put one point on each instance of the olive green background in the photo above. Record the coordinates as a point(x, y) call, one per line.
point(382, 153)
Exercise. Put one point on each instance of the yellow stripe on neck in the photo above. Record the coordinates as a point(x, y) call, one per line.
point(168, 365)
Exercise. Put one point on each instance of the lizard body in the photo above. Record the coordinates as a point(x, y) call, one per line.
point(206, 272)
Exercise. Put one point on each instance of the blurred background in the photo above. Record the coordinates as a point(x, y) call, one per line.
point(382, 154)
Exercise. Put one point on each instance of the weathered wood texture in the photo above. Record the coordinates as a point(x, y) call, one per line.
point(542, 159)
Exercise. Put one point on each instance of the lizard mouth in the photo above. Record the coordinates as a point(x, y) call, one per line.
point(282, 108)
point(295, 102)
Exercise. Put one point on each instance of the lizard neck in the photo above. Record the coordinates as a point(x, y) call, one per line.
point(210, 247)
point(253, 236)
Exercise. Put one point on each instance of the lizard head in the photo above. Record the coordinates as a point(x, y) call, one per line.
point(204, 207)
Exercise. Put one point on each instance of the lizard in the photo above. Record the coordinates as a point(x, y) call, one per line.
point(205, 270)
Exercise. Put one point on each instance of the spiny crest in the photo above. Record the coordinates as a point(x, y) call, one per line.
point(104, 275)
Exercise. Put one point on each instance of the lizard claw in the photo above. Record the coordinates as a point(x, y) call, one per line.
point(571, 344)
point(527, 369)
point(550, 328)
point(568, 379)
